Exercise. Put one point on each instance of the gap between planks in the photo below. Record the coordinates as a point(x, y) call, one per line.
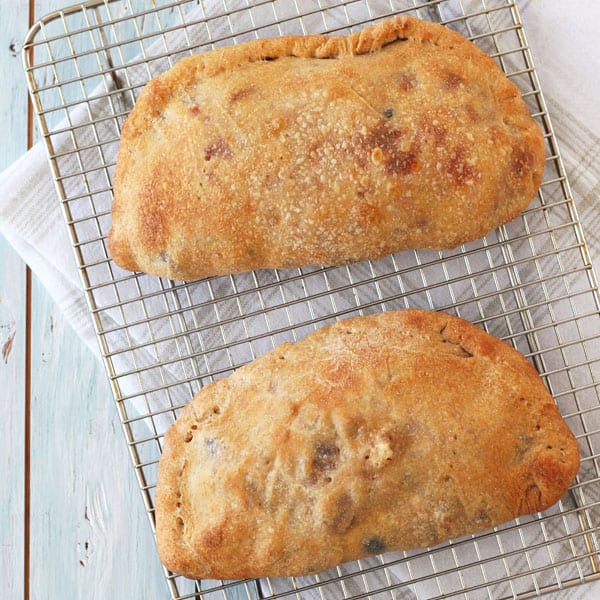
point(27, 425)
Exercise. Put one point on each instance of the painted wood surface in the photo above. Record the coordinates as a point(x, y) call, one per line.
point(87, 534)
point(12, 321)
point(12, 429)
point(85, 502)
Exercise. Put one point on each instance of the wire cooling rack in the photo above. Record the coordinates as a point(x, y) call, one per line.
point(529, 282)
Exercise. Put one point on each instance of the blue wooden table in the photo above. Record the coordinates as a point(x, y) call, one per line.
point(72, 520)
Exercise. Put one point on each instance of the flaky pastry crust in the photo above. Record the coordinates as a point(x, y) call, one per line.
point(393, 431)
point(320, 150)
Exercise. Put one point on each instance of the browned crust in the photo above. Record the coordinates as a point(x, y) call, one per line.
point(226, 60)
point(394, 431)
point(230, 162)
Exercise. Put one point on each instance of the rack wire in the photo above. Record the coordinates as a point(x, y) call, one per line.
point(530, 282)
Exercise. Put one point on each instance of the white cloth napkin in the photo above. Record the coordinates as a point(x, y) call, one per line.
point(31, 220)
point(565, 52)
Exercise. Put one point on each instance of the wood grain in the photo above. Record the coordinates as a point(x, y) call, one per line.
point(84, 498)
point(12, 426)
point(13, 102)
point(83, 531)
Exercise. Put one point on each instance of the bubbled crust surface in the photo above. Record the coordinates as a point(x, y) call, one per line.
point(378, 433)
point(265, 155)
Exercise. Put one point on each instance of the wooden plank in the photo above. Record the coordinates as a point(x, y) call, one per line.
point(89, 532)
point(12, 424)
point(13, 103)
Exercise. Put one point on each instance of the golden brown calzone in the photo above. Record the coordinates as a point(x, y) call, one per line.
point(393, 431)
point(321, 150)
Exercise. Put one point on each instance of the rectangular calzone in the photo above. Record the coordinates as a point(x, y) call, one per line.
point(319, 150)
point(388, 432)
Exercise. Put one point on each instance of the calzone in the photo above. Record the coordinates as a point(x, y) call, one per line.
point(321, 150)
point(387, 432)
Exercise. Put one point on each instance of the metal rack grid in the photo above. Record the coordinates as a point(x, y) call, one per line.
point(529, 282)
